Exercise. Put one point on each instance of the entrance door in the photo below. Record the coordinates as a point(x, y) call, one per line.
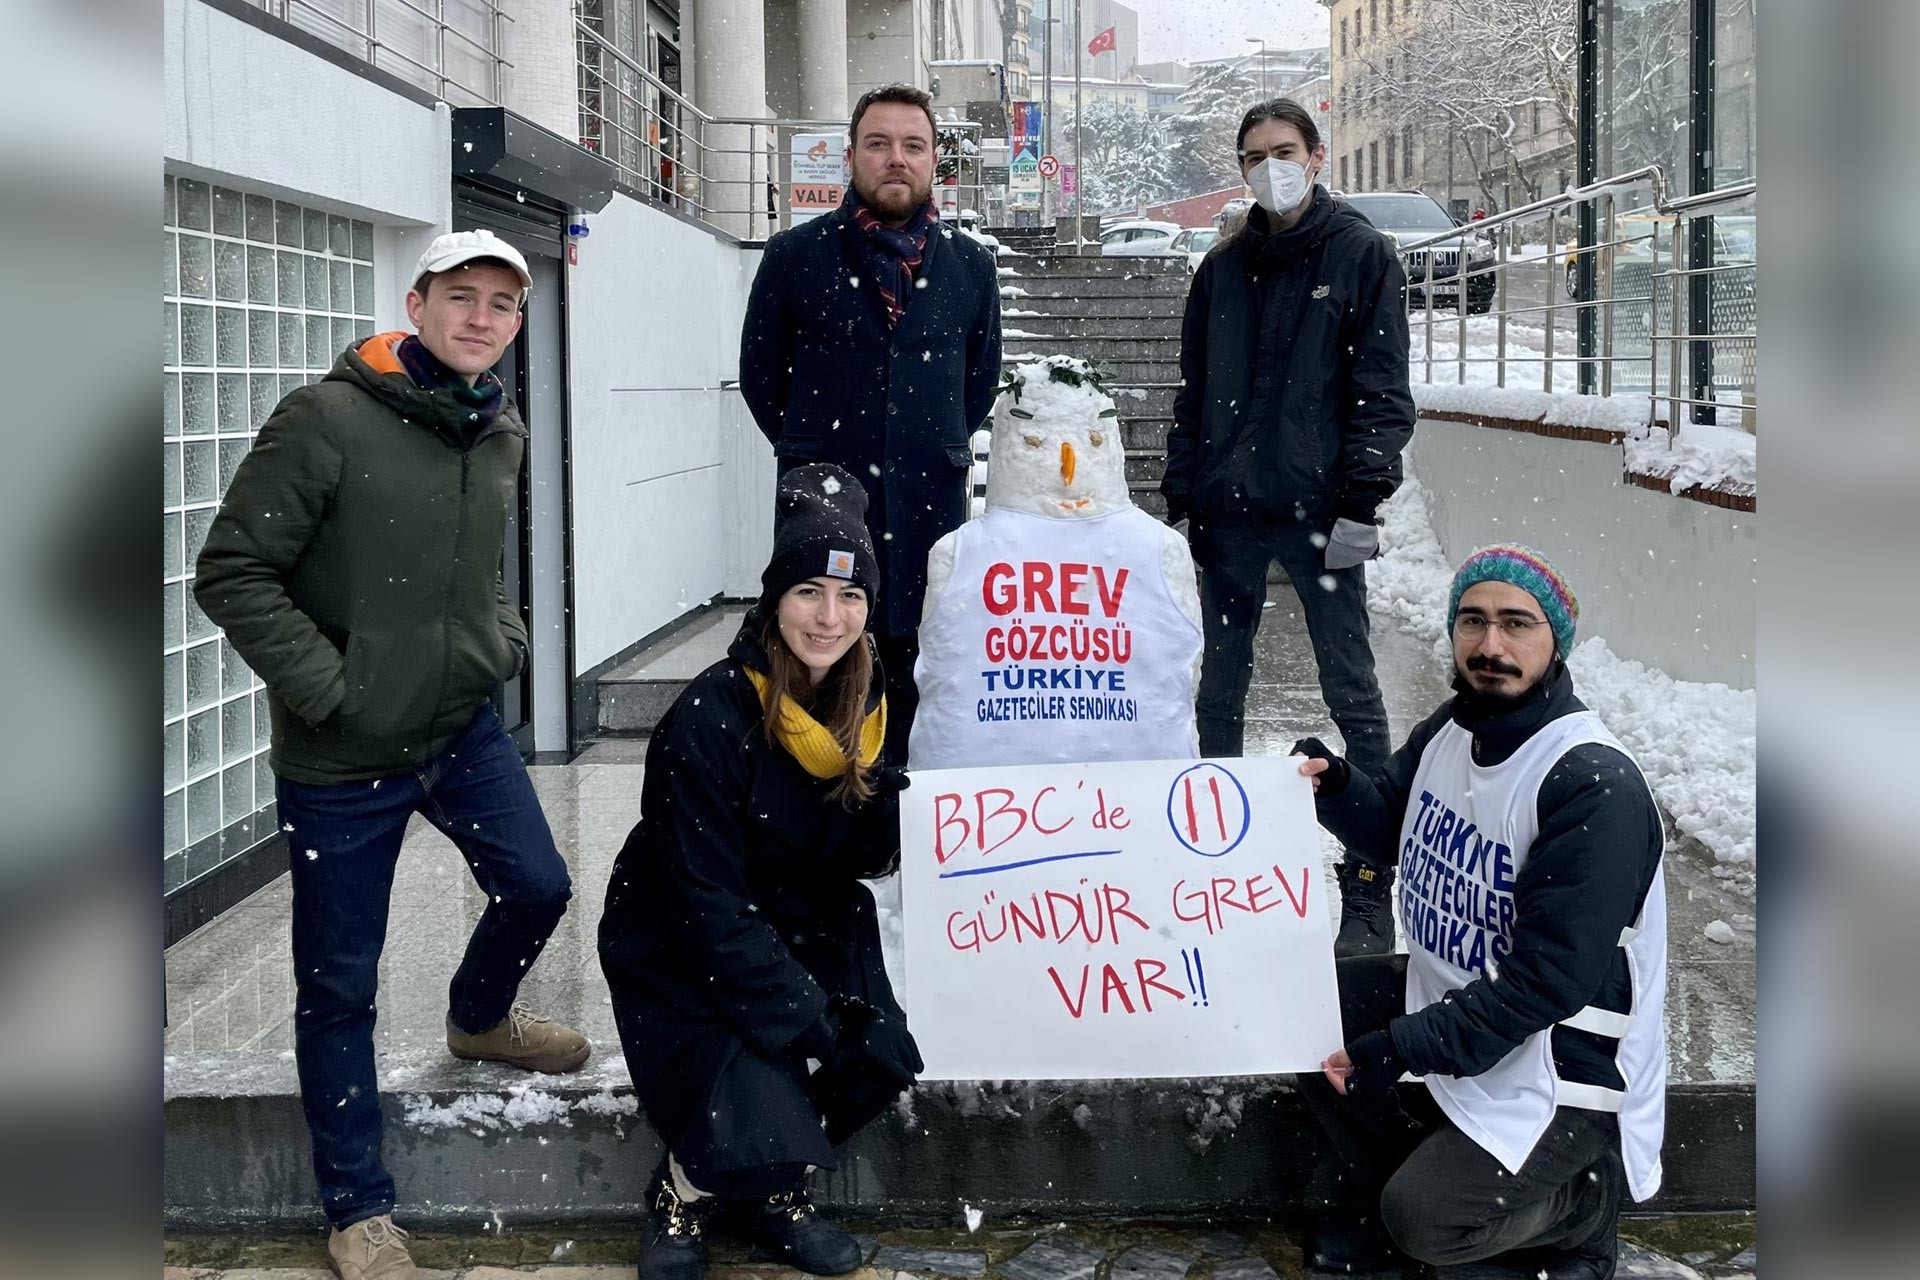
point(534, 705)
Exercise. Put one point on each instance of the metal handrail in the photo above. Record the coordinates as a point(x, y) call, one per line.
point(376, 49)
point(665, 148)
point(1628, 330)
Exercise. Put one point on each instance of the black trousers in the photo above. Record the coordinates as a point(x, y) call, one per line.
point(1440, 1196)
point(897, 656)
point(1233, 556)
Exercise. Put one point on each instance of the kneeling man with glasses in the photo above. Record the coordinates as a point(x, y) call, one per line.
point(1531, 997)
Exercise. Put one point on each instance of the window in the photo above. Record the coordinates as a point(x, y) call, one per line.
point(1343, 171)
point(1373, 166)
point(1359, 169)
point(1373, 16)
point(1536, 118)
point(1406, 152)
point(1389, 15)
point(1343, 37)
point(1393, 177)
point(259, 296)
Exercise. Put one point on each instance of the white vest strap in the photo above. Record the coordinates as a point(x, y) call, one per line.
point(1588, 1097)
point(1628, 934)
point(1601, 1022)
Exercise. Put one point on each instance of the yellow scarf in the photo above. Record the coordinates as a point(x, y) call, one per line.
point(810, 743)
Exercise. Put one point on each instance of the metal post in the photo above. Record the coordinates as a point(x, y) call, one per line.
point(1610, 229)
point(373, 42)
point(1507, 234)
point(1700, 243)
point(1428, 299)
point(440, 42)
point(1048, 209)
point(1079, 159)
point(1553, 243)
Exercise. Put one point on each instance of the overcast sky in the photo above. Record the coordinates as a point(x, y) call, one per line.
point(1182, 30)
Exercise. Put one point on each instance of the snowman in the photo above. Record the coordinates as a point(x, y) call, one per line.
point(1062, 624)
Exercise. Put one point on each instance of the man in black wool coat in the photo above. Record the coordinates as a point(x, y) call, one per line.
point(872, 341)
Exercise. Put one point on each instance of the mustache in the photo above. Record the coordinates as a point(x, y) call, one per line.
point(1493, 666)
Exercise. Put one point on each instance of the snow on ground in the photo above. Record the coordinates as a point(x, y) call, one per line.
point(1695, 742)
point(1718, 457)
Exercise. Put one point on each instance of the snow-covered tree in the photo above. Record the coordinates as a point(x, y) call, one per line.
point(1125, 160)
point(1201, 137)
point(1476, 69)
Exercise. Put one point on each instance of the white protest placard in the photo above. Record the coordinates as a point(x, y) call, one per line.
point(1116, 920)
point(817, 174)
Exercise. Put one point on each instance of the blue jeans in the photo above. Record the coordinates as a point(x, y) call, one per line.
point(344, 843)
point(1232, 556)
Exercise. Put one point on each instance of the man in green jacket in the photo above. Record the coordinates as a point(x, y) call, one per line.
point(355, 564)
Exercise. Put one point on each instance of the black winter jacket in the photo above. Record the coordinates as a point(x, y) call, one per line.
point(735, 909)
point(828, 381)
point(1586, 877)
point(1294, 403)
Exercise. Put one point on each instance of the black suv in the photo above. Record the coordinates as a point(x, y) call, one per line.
point(1407, 216)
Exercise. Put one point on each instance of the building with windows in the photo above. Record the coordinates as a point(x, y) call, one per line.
point(628, 148)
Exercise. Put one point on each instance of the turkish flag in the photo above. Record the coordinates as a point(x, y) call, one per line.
point(1102, 43)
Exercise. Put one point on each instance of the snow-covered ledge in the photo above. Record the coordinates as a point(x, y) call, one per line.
point(1668, 582)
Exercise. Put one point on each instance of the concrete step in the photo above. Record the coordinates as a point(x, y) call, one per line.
point(1101, 348)
point(1145, 468)
point(1114, 307)
point(634, 695)
point(1164, 327)
point(1138, 400)
point(1070, 264)
point(1046, 284)
point(466, 1143)
point(1145, 435)
point(1118, 372)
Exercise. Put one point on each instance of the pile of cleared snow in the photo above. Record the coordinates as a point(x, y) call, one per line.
point(1716, 457)
point(1564, 408)
point(1695, 743)
point(1409, 581)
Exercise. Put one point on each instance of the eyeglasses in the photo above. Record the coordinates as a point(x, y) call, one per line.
point(1470, 626)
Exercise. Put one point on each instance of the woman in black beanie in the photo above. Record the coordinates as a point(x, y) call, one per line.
point(742, 951)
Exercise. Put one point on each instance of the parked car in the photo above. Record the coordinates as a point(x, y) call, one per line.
point(1141, 240)
point(1647, 237)
point(1199, 240)
point(1407, 216)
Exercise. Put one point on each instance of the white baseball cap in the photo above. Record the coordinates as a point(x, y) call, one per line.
point(450, 250)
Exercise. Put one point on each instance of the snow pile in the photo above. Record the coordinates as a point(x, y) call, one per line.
point(1563, 408)
point(1717, 457)
point(516, 1109)
point(1021, 333)
point(1409, 581)
point(1695, 742)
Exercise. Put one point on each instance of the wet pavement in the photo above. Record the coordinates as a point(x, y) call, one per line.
point(1687, 1248)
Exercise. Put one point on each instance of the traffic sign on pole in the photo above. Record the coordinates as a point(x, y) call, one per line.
point(1049, 166)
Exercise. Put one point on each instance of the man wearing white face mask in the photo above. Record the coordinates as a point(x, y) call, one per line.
point(1288, 427)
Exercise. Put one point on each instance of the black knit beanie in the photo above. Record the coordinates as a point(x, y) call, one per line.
point(819, 530)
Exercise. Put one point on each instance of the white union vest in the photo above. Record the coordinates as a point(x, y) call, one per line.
point(1055, 641)
point(1456, 907)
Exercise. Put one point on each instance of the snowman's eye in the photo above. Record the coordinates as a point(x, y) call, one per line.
point(1020, 413)
point(1097, 438)
point(1033, 442)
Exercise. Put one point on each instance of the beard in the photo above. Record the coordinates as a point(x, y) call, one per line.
point(891, 203)
point(1490, 701)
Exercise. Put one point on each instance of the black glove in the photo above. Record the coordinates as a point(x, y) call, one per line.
point(889, 780)
point(1338, 773)
point(1377, 1068)
point(869, 1037)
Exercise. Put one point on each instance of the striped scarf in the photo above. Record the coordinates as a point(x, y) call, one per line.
point(893, 253)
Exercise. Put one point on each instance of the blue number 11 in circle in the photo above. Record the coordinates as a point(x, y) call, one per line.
point(1208, 810)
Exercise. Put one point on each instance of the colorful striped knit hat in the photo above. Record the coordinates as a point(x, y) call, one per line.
point(1528, 570)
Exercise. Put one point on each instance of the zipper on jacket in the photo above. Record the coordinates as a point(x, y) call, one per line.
point(466, 468)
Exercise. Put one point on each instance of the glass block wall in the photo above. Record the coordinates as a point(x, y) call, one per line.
point(260, 296)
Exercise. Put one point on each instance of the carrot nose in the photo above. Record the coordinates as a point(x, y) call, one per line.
point(1066, 462)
